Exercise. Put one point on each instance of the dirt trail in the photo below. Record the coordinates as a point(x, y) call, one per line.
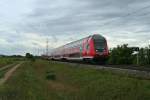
point(9, 74)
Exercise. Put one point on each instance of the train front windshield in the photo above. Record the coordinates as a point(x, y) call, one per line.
point(99, 43)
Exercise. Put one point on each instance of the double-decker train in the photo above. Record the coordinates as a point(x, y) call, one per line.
point(91, 48)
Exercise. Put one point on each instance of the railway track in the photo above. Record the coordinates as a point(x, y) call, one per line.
point(130, 70)
point(131, 67)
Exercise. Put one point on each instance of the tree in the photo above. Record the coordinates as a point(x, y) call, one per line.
point(144, 56)
point(30, 56)
point(121, 55)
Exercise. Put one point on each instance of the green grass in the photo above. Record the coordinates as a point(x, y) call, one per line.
point(6, 69)
point(2, 72)
point(8, 60)
point(71, 83)
point(5, 61)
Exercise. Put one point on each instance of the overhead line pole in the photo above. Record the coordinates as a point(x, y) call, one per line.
point(47, 47)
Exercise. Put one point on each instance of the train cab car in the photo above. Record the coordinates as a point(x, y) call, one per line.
point(93, 47)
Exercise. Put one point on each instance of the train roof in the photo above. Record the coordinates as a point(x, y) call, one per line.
point(97, 36)
point(94, 36)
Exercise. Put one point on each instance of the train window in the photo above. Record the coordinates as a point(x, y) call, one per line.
point(87, 47)
point(99, 43)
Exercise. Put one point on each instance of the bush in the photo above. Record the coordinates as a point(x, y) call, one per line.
point(30, 57)
point(121, 55)
point(144, 56)
point(50, 75)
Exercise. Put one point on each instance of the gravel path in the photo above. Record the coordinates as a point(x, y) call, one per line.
point(9, 74)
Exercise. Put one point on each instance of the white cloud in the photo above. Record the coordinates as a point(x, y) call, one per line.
point(25, 25)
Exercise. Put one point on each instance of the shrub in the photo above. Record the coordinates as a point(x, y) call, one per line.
point(121, 55)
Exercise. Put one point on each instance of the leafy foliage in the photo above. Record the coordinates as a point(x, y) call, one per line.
point(144, 56)
point(30, 57)
point(121, 55)
point(124, 55)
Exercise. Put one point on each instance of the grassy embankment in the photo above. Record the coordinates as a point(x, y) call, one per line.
point(72, 83)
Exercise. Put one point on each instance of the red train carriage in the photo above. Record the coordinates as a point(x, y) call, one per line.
point(93, 47)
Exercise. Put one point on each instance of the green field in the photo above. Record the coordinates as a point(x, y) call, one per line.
point(30, 82)
point(8, 60)
point(5, 61)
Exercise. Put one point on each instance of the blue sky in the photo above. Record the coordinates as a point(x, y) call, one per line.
point(26, 24)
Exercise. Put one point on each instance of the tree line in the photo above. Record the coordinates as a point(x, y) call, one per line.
point(123, 54)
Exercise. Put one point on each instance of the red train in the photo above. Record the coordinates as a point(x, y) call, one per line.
point(91, 48)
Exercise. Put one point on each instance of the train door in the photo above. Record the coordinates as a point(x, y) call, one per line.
point(84, 52)
point(86, 47)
